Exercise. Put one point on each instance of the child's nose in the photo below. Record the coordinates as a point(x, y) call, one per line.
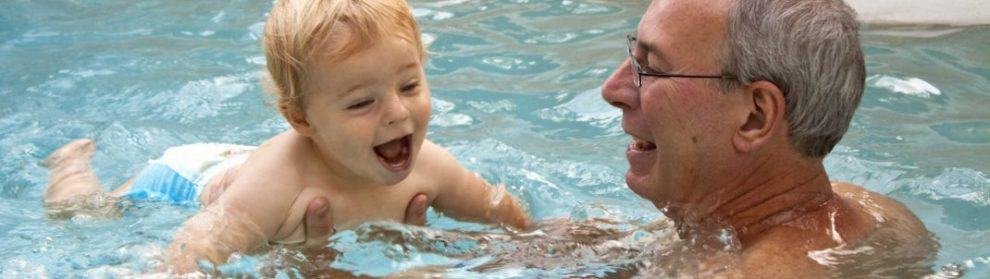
point(395, 112)
point(619, 89)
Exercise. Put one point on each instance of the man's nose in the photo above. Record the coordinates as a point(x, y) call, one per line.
point(395, 111)
point(619, 89)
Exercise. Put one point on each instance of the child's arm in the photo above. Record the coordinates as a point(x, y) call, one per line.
point(463, 194)
point(243, 219)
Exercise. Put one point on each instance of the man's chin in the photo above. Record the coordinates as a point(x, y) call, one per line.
point(638, 184)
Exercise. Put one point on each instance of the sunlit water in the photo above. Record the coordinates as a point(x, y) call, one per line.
point(516, 98)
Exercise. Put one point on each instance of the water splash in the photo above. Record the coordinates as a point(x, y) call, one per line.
point(909, 86)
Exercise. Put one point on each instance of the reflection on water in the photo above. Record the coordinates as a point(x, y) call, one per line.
point(554, 248)
point(516, 98)
point(589, 248)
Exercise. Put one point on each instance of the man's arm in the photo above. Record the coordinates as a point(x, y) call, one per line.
point(463, 194)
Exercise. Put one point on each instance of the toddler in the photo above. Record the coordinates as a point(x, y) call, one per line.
point(348, 77)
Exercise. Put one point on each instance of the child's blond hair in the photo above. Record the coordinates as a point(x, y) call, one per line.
point(297, 30)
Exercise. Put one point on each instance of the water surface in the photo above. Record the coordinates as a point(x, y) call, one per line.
point(515, 96)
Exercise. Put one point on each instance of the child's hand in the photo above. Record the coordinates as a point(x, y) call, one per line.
point(508, 211)
point(183, 256)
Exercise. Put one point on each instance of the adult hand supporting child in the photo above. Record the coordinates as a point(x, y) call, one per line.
point(319, 223)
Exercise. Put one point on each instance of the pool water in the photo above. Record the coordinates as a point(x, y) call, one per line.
point(516, 98)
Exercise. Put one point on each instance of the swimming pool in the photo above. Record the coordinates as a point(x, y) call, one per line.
point(516, 98)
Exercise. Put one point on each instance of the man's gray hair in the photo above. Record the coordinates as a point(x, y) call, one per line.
point(810, 50)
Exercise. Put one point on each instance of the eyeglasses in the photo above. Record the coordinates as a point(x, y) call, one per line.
point(638, 79)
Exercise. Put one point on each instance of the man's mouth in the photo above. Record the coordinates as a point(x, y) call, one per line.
point(642, 155)
point(642, 145)
point(395, 155)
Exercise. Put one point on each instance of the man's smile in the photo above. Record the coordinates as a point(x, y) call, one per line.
point(642, 155)
point(642, 145)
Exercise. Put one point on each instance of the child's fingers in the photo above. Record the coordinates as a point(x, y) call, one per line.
point(319, 223)
point(513, 214)
point(416, 210)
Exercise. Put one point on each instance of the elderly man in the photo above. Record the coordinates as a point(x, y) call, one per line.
point(732, 106)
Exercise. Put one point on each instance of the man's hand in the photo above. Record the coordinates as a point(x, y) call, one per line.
point(416, 210)
point(319, 222)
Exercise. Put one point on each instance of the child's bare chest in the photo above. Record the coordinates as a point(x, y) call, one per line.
point(383, 203)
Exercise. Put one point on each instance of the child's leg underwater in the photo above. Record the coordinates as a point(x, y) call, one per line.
point(73, 187)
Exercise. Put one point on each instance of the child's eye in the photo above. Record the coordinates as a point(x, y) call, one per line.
point(410, 88)
point(361, 104)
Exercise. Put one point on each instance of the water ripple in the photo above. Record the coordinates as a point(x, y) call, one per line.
point(973, 132)
point(516, 99)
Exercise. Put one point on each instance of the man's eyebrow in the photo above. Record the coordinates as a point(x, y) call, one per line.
point(652, 49)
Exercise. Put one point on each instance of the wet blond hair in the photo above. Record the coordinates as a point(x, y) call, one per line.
point(299, 30)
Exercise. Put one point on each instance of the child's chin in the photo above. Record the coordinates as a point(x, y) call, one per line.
point(393, 178)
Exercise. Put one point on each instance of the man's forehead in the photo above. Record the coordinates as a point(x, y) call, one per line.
point(687, 10)
point(685, 19)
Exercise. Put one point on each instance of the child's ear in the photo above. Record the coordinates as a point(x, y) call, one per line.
point(296, 118)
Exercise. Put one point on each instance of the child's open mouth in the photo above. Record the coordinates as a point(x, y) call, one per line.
point(395, 154)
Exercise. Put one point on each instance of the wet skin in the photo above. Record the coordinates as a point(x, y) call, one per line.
point(713, 159)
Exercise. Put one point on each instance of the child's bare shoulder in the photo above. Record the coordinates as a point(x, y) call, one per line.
point(268, 186)
point(272, 165)
point(435, 161)
point(439, 170)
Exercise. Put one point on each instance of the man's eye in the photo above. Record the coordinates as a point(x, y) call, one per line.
point(650, 69)
point(361, 104)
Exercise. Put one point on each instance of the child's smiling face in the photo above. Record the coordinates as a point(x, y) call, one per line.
point(368, 112)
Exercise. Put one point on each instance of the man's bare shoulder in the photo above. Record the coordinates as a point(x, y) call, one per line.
point(863, 216)
point(883, 210)
point(782, 254)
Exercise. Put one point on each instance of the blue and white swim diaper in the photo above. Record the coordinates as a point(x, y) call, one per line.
point(180, 175)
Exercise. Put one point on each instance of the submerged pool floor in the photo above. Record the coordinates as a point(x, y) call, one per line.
point(515, 97)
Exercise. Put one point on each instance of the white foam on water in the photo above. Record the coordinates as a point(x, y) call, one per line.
point(908, 86)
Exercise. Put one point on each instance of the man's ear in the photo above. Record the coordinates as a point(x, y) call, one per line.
point(296, 117)
point(765, 107)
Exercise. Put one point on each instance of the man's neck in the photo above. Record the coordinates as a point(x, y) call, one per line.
point(777, 191)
